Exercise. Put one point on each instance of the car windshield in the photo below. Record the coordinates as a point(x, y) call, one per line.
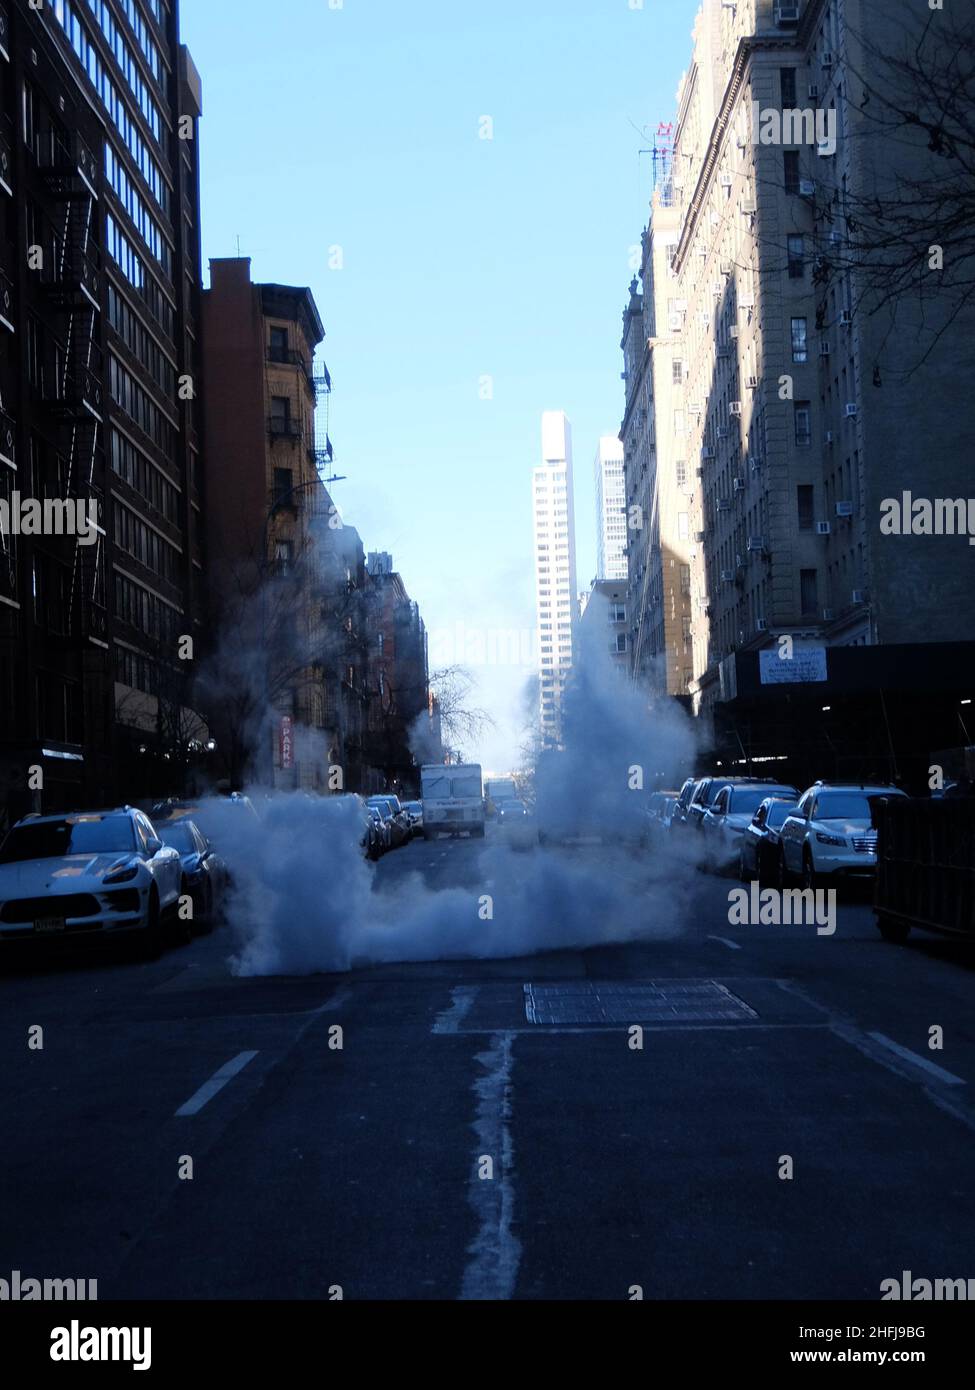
point(178, 836)
point(55, 839)
point(777, 813)
point(746, 800)
point(842, 806)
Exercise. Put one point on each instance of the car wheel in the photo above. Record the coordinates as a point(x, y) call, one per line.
point(810, 878)
point(893, 928)
point(151, 939)
point(782, 875)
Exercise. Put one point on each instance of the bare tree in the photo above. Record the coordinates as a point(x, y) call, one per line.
point(462, 722)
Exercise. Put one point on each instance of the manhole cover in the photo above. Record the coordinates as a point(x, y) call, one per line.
point(668, 1001)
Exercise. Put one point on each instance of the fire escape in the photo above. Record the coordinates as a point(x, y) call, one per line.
point(72, 376)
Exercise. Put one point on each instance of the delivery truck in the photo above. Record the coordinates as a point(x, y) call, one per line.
point(453, 800)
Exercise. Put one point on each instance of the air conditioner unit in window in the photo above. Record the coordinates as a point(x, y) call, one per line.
point(807, 188)
point(752, 383)
point(724, 504)
point(846, 317)
point(844, 509)
point(824, 348)
point(786, 14)
point(734, 408)
point(859, 595)
point(739, 485)
point(827, 615)
point(747, 206)
point(723, 432)
point(828, 437)
point(823, 528)
point(761, 625)
point(707, 452)
point(725, 180)
point(850, 410)
point(727, 576)
point(723, 350)
point(755, 465)
point(727, 267)
point(827, 60)
point(813, 92)
point(733, 331)
point(676, 322)
point(756, 544)
point(717, 287)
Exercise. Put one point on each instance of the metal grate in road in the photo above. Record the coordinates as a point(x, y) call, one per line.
point(649, 1001)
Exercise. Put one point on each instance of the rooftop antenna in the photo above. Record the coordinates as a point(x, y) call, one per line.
point(238, 247)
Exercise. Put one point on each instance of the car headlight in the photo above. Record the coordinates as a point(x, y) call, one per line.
point(122, 875)
point(830, 839)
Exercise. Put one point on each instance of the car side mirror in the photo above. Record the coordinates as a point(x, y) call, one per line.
point(153, 846)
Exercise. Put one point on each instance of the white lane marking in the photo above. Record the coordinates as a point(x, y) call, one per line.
point(938, 1072)
point(449, 1020)
point(732, 945)
point(216, 1083)
point(495, 1253)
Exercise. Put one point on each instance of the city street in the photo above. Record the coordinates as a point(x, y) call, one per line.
point(364, 1167)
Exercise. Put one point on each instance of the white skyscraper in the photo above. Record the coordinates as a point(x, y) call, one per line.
point(555, 567)
point(610, 509)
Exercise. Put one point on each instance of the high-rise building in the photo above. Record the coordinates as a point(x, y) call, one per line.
point(610, 509)
point(99, 379)
point(779, 395)
point(555, 569)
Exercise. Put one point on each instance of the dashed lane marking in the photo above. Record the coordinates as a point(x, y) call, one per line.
point(216, 1083)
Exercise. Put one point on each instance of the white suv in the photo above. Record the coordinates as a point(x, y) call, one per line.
point(831, 833)
point(98, 873)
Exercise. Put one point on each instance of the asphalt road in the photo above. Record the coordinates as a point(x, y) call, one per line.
point(470, 1139)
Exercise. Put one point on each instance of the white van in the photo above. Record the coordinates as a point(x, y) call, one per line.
point(453, 801)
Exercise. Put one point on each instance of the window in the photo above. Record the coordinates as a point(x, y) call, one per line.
point(621, 641)
point(283, 556)
point(617, 613)
point(803, 417)
point(804, 506)
point(677, 371)
point(800, 348)
point(284, 481)
point(683, 529)
point(681, 469)
point(280, 414)
point(808, 593)
point(790, 165)
point(797, 257)
point(279, 345)
point(787, 87)
point(678, 422)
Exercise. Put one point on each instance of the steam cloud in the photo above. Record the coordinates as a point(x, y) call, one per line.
point(305, 899)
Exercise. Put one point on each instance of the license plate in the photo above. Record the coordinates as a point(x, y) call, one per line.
point(45, 925)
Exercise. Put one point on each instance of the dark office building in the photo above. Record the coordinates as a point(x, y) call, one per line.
point(99, 313)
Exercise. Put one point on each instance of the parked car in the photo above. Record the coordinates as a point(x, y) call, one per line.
point(831, 834)
point(204, 872)
point(725, 820)
point(214, 816)
point(414, 809)
point(682, 804)
point(104, 873)
point(758, 851)
point(378, 835)
point(395, 817)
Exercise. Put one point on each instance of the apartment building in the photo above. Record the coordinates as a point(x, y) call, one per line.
point(610, 509)
point(403, 718)
point(802, 400)
point(99, 385)
point(286, 575)
point(553, 517)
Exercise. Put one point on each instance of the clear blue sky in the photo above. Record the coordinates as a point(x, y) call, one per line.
point(358, 127)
